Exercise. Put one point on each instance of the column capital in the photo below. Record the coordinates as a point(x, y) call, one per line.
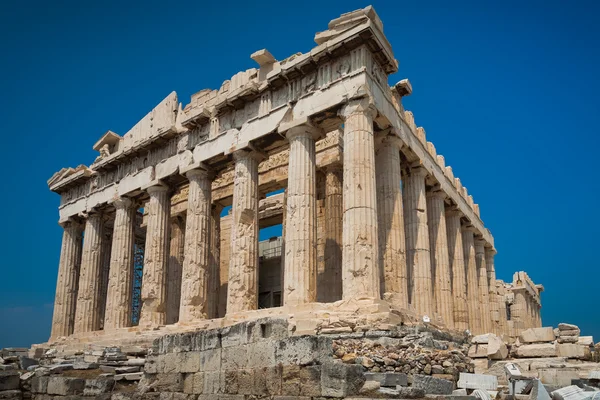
point(299, 127)
point(156, 186)
point(122, 202)
point(199, 173)
point(358, 106)
point(71, 222)
point(454, 212)
point(436, 193)
point(418, 171)
point(386, 138)
point(468, 228)
point(243, 154)
point(490, 250)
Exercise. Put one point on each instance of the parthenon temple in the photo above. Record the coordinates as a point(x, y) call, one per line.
point(161, 231)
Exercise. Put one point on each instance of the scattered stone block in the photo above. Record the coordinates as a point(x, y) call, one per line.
point(387, 379)
point(477, 381)
point(567, 327)
point(572, 332)
point(568, 339)
point(536, 350)
point(557, 376)
point(478, 351)
point(11, 395)
point(570, 393)
point(370, 387)
point(537, 335)
point(64, 386)
point(431, 385)
point(572, 350)
point(481, 339)
point(410, 392)
point(586, 340)
point(60, 368)
point(126, 370)
point(496, 349)
point(341, 380)
point(9, 380)
point(26, 362)
point(84, 365)
point(481, 394)
point(96, 387)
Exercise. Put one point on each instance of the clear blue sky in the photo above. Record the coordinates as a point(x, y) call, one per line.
point(508, 92)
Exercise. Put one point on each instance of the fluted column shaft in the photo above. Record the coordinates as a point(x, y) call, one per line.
point(457, 266)
point(502, 311)
point(418, 258)
point(68, 280)
point(472, 280)
point(518, 311)
point(484, 291)
point(243, 264)
point(440, 262)
point(392, 242)
point(87, 315)
point(334, 211)
point(214, 261)
point(196, 265)
point(175, 269)
point(154, 285)
point(104, 274)
point(494, 298)
point(360, 258)
point(120, 280)
point(301, 218)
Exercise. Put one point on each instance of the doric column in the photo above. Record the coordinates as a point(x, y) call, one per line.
point(87, 315)
point(494, 298)
point(518, 310)
point(360, 258)
point(457, 266)
point(214, 261)
point(196, 264)
point(391, 239)
point(484, 291)
point(243, 262)
point(418, 257)
point(154, 284)
point(334, 211)
point(300, 271)
point(175, 268)
point(68, 279)
point(539, 316)
point(106, 254)
point(472, 280)
point(440, 262)
point(502, 310)
point(282, 274)
point(120, 279)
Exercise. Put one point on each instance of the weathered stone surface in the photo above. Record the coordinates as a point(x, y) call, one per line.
point(96, 387)
point(9, 380)
point(481, 339)
point(477, 381)
point(410, 392)
point(537, 335)
point(340, 380)
point(65, 386)
point(478, 351)
point(557, 376)
point(536, 350)
point(497, 349)
point(567, 327)
point(11, 395)
point(431, 385)
point(387, 379)
point(573, 350)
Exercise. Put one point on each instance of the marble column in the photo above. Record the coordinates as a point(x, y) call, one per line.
point(493, 294)
point(154, 285)
point(502, 310)
point(282, 274)
point(418, 257)
point(175, 268)
point(472, 280)
point(300, 271)
point(440, 261)
point(68, 279)
point(120, 279)
point(106, 254)
point(539, 316)
point(518, 310)
point(360, 252)
point(242, 290)
point(196, 265)
point(334, 210)
point(484, 291)
point(87, 314)
point(391, 239)
point(214, 262)
point(457, 266)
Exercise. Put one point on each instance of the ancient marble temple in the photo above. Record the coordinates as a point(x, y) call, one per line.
point(377, 229)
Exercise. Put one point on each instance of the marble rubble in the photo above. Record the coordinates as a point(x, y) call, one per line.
point(384, 264)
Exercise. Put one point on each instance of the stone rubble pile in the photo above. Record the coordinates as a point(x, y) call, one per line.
point(414, 354)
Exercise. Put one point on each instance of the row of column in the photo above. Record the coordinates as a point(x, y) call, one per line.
point(402, 243)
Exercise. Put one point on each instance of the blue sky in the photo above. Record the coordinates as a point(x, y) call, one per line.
point(508, 92)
